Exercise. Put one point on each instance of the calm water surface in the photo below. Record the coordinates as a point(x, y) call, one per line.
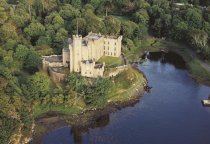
point(171, 114)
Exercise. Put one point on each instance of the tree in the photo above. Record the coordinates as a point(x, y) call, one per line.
point(95, 3)
point(3, 15)
point(20, 16)
point(108, 6)
point(49, 5)
point(8, 31)
point(157, 27)
point(37, 86)
point(193, 17)
point(199, 39)
point(141, 16)
point(112, 25)
point(30, 3)
point(180, 30)
point(21, 53)
point(10, 44)
point(76, 3)
point(68, 12)
point(93, 23)
point(32, 62)
point(206, 28)
point(128, 44)
point(94, 94)
point(81, 22)
point(141, 31)
point(35, 29)
point(127, 29)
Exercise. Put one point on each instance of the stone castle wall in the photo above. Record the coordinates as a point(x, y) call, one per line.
point(51, 61)
point(118, 70)
point(91, 69)
point(56, 76)
point(92, 47)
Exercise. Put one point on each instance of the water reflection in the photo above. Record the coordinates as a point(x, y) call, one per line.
point(169, 57)
point(171, 114)
point(75, 133)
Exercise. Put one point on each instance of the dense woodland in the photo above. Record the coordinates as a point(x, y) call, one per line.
point(31, 28)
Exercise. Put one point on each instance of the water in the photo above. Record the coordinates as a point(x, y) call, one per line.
point(171, 114)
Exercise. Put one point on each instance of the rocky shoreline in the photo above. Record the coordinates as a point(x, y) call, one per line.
point(83, 121)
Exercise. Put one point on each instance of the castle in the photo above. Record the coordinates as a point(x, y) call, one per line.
point(82, 54)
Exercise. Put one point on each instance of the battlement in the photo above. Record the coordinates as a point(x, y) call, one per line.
point(77, 37)
point(83, 52)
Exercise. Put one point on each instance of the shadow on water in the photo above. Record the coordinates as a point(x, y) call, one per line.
point(171, 113)
point(77, 132)
point(74, 134)
point(166, 57)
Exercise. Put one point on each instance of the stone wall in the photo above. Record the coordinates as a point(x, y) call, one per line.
point(91, 69)
point(47, 63)
point(92, 47)
point(117, 70)
point(56, 76)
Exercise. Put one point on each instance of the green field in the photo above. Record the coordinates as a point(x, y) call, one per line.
point(111, 61)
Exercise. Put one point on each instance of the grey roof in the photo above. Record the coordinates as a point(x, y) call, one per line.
point(98, 66)
point(87, 61)
point(94, 36)
point(54, 58)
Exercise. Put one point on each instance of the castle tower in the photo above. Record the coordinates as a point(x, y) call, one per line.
point(119, 48)
point(76, 53)
point(66, 57)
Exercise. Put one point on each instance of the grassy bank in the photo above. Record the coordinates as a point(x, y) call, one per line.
point(125, 86)
point(194, 64)
point(197, 71)
point(134, 54)
point(111, 61)
point(61, 109)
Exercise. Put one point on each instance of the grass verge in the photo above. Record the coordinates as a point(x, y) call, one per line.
point(111, 61)
point(197, 71)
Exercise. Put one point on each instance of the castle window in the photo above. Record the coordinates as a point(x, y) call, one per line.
point(108, 42)
point(115, 43)
point(111, 53)
point(115, 48)
point(104, 47)
point(108, 48)
point(114, 54)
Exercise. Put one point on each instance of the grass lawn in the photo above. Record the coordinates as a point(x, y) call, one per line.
point(193, 62)
point(60, 109)
point(111, 61)
point(126, 85)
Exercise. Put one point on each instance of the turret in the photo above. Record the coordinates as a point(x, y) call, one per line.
point(77, 53)
point(66, 57)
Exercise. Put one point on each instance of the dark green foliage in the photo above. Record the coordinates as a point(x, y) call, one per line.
point(112, 25)
point(94, 94)
point(7, 126)
point(37, 87)
point(92, 90)
point(38, 27)
point(32, 62)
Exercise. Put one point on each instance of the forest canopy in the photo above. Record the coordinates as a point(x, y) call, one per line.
point(32, 28)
